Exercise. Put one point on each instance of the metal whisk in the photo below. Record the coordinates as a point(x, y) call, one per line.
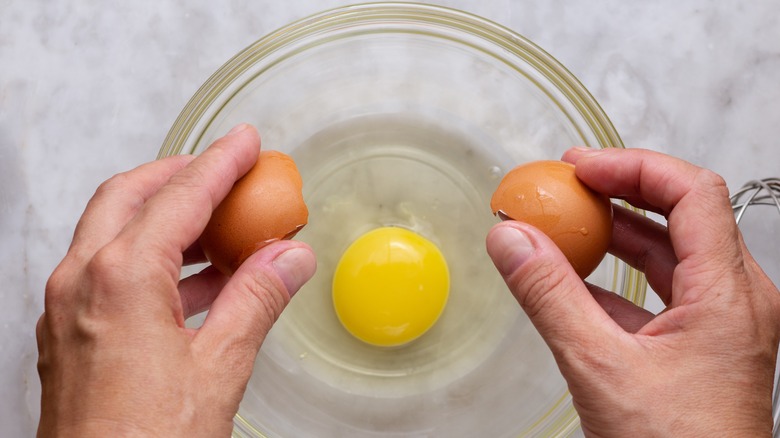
point(761, 192)
point(757, 192)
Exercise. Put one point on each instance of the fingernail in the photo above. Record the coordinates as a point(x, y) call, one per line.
point(295, 267)
point(510, 248)
point(587, 150)
point(238, 128)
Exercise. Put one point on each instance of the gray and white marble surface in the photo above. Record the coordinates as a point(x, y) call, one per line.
point(89, 89)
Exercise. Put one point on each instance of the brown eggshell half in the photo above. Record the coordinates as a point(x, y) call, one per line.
point(263, 206)
point(549, 196)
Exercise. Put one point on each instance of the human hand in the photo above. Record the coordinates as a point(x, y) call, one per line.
point(115, 356)
point(702, 367)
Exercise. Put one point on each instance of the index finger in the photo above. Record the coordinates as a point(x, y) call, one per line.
point(694, 200)
point(176, 215)
point(118, 200)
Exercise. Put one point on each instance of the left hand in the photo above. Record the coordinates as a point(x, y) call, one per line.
point(115, 356)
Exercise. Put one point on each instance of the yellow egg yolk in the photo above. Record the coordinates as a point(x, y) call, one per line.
point(390, 286)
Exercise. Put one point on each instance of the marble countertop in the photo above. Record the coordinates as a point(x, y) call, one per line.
point(89, 89)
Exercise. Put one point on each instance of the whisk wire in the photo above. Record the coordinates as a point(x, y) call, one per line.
point(761, 192)
point(757, 192)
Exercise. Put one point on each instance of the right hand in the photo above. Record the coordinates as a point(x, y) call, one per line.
point(702, 367)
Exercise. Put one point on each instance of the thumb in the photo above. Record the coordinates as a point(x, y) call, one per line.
point(254, 297)
point(547, 287)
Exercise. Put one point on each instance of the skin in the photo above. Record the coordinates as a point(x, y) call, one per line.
point(114, 356)
point(116, 360)
point(702, 367)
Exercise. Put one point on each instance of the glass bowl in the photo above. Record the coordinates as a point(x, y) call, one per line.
point(404, 115)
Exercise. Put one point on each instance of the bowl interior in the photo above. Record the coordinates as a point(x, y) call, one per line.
point(404, 115)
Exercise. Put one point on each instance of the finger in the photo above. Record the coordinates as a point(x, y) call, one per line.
point(254, 297)
point(694, 200)
point(194, 254)
point(199, 290)
point(574, 154)
point(547, 287)
point(118, 199)
point(658, 180)
point(176, 215)
point(626, 314)
point(644, 244)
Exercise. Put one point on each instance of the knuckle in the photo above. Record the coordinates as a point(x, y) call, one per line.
point(88, 327)
point(106, 261)
point(190, 306)
point(195, 176)
point(41, 339)
point(712, 183)
point(57, 282)
point(112, 269)
point(115, 183)
point(126, 187)
point(40, 332)
point(539, 288)
point(268, 296)
point(710, 178)
point(59, 287)
point(194, 181)
point(644, 254)
point(57, 303)
point(39, 327)
point(191, 178)
point(591, 356)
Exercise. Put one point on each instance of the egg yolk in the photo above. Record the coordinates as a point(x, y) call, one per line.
point(390, 286)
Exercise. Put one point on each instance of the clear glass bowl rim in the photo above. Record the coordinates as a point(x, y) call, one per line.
point(365, 13)
point(190, 120)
